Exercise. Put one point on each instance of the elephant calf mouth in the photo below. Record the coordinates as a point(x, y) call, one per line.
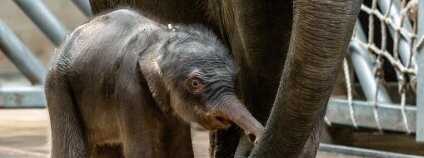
point(217, 122)
point(224, 122)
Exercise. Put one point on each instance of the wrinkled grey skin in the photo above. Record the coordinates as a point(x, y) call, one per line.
point(288, 52)
point(124, 85)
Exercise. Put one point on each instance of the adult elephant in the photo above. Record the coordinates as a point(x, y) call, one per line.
point(288, 53)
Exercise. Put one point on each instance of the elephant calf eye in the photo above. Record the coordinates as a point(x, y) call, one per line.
point(195, 85)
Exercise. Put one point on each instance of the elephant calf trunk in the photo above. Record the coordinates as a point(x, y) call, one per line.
point(230, 108)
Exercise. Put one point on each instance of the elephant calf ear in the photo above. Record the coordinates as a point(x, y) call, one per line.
point(152, 73)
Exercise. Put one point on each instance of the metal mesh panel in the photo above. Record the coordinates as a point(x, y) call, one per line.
point(391, 40)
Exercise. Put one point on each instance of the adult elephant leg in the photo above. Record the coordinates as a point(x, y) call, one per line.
point(321, 32)
point(311, 146)
point(258, 33)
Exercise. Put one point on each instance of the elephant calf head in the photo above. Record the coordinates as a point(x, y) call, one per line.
point(198, 75)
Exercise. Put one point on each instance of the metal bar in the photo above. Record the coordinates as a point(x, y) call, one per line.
point(362, 152)
point(22, 97)
point(363, 70)
point(360, 34)
point(420, 75)
point(84, 6)
point(394, 14)
point(44, 19)
point(390, 115)
point(21, 56)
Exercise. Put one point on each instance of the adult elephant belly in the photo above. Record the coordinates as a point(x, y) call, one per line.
point(259, 36)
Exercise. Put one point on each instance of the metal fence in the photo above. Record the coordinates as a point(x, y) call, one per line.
point(23, 58)
point(385, 56)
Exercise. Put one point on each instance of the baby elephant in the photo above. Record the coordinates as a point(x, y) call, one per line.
point(124, 84)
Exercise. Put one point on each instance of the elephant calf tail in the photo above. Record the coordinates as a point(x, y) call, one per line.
point(67, 139)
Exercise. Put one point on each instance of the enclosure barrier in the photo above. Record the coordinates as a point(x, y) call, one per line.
point(398, 21)
point(44, 19)
point(18, 53)
point(366, 56)
point(363, 152)
point(29, 96)
point(420, 75)
point(84, 6)
point(28, 65)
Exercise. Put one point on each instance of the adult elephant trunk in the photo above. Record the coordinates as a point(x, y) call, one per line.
point(321, 32)
point(230, 108)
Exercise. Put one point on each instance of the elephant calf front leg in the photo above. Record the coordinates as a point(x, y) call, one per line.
point(141, 127)
point(147, 136)
point(142, 145)
point(141, 136)
point(177, 138)
point(223, 142)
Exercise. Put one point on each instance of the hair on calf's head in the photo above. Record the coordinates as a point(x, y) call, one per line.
point(195, 53)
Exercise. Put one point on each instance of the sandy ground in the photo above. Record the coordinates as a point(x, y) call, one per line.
point(23, 134)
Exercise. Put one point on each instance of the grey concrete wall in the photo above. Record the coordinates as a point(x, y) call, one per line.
point(28, 32)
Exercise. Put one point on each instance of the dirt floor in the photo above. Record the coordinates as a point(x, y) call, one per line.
point(23, 134)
